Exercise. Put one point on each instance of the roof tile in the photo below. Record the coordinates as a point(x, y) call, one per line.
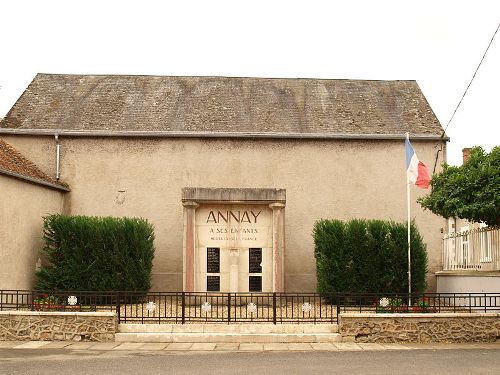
point(222, 104)
point(11, 161)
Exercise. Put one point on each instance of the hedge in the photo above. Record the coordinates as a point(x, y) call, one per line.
point(367, 256)
point(96, 254)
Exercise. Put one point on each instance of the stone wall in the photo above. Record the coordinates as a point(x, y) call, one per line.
point(393, 328)
point(57, 326)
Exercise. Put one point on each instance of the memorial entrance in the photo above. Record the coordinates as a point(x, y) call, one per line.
point(233, 240)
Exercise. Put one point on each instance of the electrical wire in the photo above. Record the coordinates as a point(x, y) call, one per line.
point(461, 99)
point(472, 79)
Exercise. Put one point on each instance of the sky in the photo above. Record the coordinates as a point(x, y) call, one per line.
point(438, 43)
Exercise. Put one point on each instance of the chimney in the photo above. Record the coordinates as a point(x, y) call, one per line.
point(465, 154)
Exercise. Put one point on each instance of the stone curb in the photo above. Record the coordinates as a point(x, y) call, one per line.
point(233, 347)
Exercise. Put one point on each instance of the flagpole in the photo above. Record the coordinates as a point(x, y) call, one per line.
point(408, 221)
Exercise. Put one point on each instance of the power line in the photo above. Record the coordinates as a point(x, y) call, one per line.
point(472, 79)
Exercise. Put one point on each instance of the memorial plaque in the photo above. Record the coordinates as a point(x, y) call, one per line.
point(255, 260)
point(255, 283)
point(213, 260)
point(213, 283)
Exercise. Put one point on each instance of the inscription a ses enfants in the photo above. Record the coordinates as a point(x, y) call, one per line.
point(231, 217)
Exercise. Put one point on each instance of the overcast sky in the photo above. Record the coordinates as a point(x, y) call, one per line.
point(439, 43)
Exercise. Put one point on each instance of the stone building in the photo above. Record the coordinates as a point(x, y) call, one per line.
point(232, 172)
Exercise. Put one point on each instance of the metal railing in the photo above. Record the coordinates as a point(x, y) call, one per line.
point(476, 249)
point(226, 308)
point(181, 307)
point(82, 301)
point(276, 308)
point(420, 303)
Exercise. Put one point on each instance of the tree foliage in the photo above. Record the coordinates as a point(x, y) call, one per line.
point(471, 191)
point(96, 253)
point(367, 256)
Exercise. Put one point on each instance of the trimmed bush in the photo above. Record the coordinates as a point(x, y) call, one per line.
point(96, 254)
point(367, 256)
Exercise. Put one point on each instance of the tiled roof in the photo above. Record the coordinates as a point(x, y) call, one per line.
point(222, 105)
point(14, 164)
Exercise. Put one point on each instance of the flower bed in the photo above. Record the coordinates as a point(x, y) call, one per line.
point(47, 302)
point(398, 305)
point(45, 307)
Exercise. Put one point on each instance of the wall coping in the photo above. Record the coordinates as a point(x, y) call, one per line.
point(467, 273)
point(233, 195)
point(419, 315)
point(57, 313)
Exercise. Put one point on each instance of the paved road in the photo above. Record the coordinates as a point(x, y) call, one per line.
point(75, 362)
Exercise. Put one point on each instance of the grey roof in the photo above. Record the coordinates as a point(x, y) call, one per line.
point(222, 105)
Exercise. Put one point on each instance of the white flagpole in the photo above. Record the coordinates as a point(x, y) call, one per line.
point(408, 209)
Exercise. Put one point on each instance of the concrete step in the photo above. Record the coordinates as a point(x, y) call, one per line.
point(195, 337)
point(235, 328)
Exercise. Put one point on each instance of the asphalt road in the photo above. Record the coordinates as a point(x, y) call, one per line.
point(57, 361)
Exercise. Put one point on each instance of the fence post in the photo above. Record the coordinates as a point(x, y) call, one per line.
point(229, 307)
point(183, 308)
point(274, 307)
point(118, 306)
point(338, 305)
point(32, 300)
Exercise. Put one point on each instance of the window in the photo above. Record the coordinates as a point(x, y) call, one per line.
point(485, 236)
point(464, 239)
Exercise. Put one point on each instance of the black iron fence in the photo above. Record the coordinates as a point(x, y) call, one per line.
point(419, 303)
point(57, 300)
point(226, 307)
point(183, 307)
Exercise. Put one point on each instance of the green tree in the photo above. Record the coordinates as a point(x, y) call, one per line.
point(471, 191)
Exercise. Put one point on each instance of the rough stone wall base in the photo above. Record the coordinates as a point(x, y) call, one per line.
point(419, 328)
point(57, 326)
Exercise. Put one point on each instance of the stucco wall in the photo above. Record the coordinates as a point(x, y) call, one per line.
point(468, 282)
point(22, 205)
point(323, 179)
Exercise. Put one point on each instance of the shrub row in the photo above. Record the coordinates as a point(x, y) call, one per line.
point(96, 253)
point(367, 256)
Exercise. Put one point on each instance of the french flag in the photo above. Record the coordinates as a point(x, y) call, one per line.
point(416, 171)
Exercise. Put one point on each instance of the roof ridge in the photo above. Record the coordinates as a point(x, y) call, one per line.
point(219, 76)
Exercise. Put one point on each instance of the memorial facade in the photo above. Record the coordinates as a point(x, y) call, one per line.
point(232, 172)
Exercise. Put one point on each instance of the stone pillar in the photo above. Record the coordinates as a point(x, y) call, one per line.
point(278, 246)
point(234, 272)
point(189, 246)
